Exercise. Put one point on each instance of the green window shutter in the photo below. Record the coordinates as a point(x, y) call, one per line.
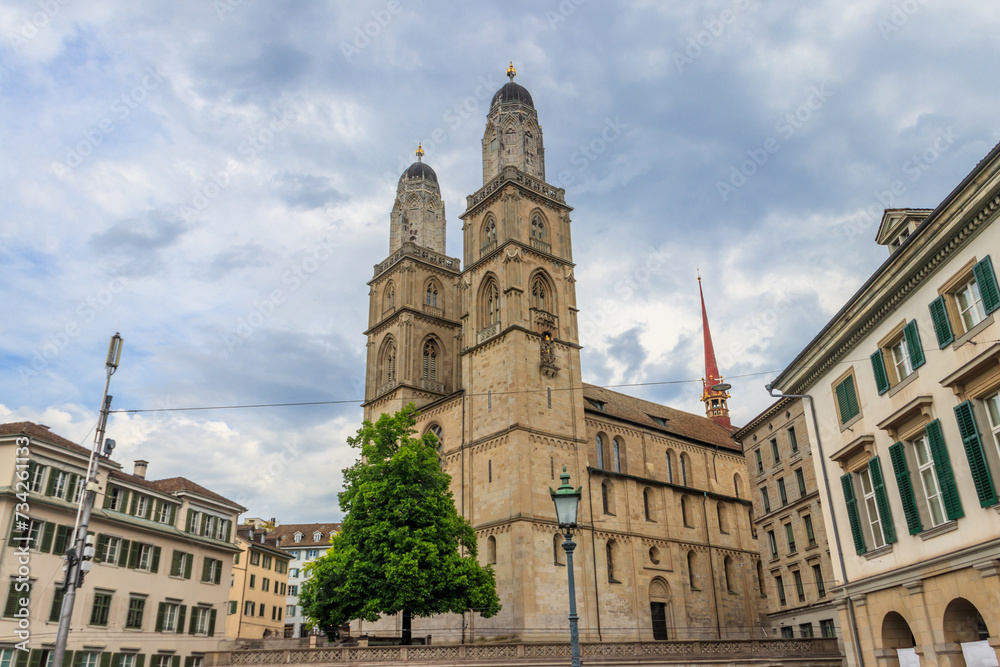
point(236, 559)
point(847, 399)
point(102, 548)
point(31, 472)
point(175, 661)
point(229, 530)
point(175, 564)
point(211, 623)
point(913, 345)
point(140, 660)
point(50, 489)
point(987, 281)
point(133, 555)
point(62, 539)
point(56, 611)
point(123, 552)
point(193, 623)
point(11, 605)
point(124, 504)
point(35, 658)
point(218, 572)
point(107, 497)
point(173, 514)
point(205, 574)
point(78, 660)
point(188, 563)
point(942, 463)
point(157, 505)
point(134, 507)
point(942, 325)
point(905, 489)
point(105, 659)
point(190, 521)
point(201, 528)
point(48, 532)
point(70, 492)
point(22, 659)
point(881, 378)
point(160, 611)
point(68, 658)
point(852, 513)
point(154, 567)
point(974, 452)
point(181, 613)
point(882, 500)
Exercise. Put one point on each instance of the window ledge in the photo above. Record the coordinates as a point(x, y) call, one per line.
point(851, 422)
point(896, 388)
point(881, 551)
point(945, 527)
point(971, 333)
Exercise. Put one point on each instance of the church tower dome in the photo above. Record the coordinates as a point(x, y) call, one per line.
point(513, 136)
point(418, 212)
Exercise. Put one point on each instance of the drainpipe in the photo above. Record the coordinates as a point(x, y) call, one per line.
point(829, 500)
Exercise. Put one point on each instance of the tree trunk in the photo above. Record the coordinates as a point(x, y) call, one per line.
point(406, 641)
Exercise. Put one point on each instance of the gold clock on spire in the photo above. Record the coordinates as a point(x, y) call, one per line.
point(511, 72)
point(420, 151)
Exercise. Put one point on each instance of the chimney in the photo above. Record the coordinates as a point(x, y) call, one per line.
point(140, 469)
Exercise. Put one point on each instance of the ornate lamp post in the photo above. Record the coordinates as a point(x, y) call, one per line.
point(567, 502)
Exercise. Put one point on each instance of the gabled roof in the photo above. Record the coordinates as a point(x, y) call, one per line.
point(33, 430)
point(285, 534)
point(641, 413)
point(183, 484)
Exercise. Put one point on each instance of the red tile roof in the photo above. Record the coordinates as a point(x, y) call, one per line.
point(40, 432)
point(285, 534)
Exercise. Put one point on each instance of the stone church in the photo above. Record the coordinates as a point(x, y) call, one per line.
point(488, 347)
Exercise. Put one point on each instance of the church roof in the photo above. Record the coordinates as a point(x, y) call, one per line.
point(512, 92)
point(419, 170)
point(648, 414)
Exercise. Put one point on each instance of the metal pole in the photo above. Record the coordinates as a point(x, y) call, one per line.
point(75, 557)
point(574, 633)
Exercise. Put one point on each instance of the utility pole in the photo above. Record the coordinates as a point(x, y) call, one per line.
point(78, 558)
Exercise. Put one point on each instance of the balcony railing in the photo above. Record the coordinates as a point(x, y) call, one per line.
point(541, 246)
point(488, 248)
point(488, 332)
point(431, 385)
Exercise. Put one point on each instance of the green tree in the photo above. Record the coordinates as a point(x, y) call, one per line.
point(402, 546)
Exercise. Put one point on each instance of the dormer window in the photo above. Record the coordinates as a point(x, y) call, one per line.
point(662, 421)
point(297, 537)
point(317, 536)
point(596, 404)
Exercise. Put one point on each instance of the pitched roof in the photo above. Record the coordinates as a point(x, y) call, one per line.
point(176, 484)
point(641, 412)
point(40, 432)
point(285, 534)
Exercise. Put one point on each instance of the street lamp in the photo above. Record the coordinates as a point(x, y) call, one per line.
point(567, 502)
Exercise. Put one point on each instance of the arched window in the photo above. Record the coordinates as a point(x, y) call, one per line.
point(390, 297)
point(730, 574)
point(723, 518)
point(692, 570)
point(491, 303)
point(537, 228)
point(609, 550)
point(686, 511)
point(760, 580)
point(538, 294)
point(617, 446)
point(557, 550)
point(646, 504)
point(606, 497)
point(670, 466)
point(738, 485)
point(389, 363)
point(491, 550)
point(429, 371)
point(600, 452)
point(439, 434)
point(489, 231)
point(431, 298)
point(684, 469)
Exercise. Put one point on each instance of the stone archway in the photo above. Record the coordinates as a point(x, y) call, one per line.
point(659, 608)
point(964, 625)
point(897, 637)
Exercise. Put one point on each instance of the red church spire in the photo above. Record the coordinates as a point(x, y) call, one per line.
point(715, 401)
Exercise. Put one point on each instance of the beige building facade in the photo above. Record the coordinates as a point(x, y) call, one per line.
point(157, 590)
point(304, 543)
point(491, 354)
point(905, 382)
point(258, 586)
point(788, 519)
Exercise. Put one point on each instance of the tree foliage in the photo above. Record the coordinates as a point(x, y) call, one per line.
point(402, 546)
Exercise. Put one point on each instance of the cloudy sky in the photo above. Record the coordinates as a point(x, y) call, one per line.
point(214, 181)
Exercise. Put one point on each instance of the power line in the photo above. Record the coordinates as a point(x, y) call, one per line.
point(359, 401)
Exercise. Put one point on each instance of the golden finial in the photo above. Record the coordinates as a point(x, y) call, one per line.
point(420, 151)
point(511, 72)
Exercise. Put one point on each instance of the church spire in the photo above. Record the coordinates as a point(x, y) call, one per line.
point(716, 407)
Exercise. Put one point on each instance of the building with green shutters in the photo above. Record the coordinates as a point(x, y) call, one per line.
point(157, 594)
point(905, 381)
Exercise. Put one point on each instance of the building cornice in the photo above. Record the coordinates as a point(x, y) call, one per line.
point(510, 174)
point(759, 420)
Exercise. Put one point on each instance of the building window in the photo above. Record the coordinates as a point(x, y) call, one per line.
point(686, 511)
point(290, 610)
point(491, 550)
point(265, 585)
point(491, 304)
point(537, 228)
point(787, 632)
point(431, 298)
point(780, 585)
point(765, 500)
point(538, 294)
point(793, 442)
point(253, 581)
point(168, 617)
point(136, 608)
point(266, 561)
point(293, 590)
point(847, 399)
point(88, 658)
point(255, 558)
point(760, 462)
point(820, 583)
point(101, 609)
point(800, 479)
point(141, 505)
point(775, 456)
point(965, 302)
point(616, 449)
point(211, 571)
point(828, 628)
point(81, 486)
point(490, 232)
point(810, 534)
point(727, 565)
point(390, 297)
point(692, 571)
point(297, 537)
point(790, 537)
point(938, 492)
point(929, 481)
point(782, 494)
point(389, 363)
point(249, 608)
point(670, 461)
point(607, 498)
point(800, 590)
point(646, 502)
point(36, 476)
point(684, 469)
point(897, 356)
point(773, 543)
point(871, 508)
point(429, 369)
point(609, 552)
point(870, 518)
point(203, 620)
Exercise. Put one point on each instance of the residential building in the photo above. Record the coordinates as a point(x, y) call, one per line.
point(164, 552)
point(787, 516)
point(491, 355)
point(258, 586)
point(304, 542)
point(905, 381)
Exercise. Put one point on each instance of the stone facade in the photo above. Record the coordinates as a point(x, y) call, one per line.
point(905, 383)
point(157, 591)
point(506, 398)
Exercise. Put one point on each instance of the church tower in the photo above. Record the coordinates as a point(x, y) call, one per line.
point(715, 400)
point(413, 324)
